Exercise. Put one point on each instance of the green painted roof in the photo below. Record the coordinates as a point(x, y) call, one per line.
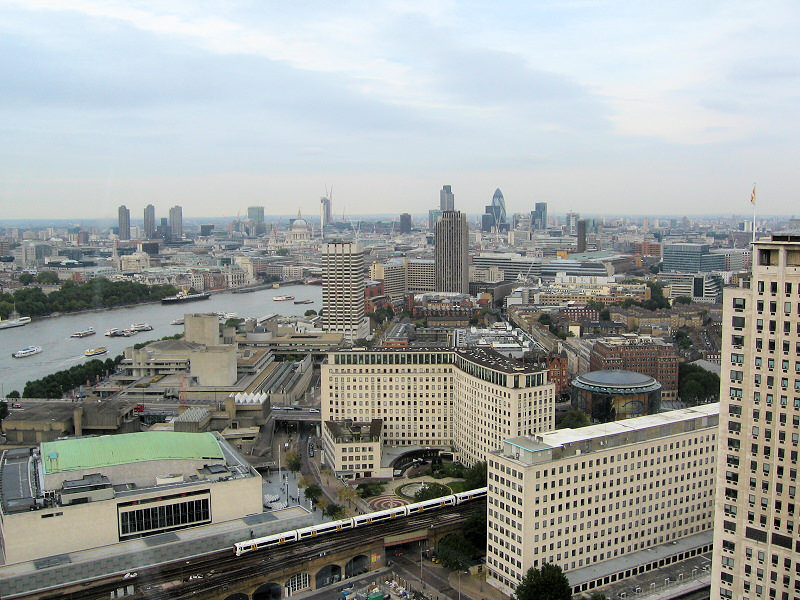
point(108, 450)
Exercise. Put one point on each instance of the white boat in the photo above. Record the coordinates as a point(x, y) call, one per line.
point(113, 332)
point(177, 322)
point(29, 351)
point(141, 327)
point(84, 333)
point(96, 351)
point(282, 298)
point(14, 320)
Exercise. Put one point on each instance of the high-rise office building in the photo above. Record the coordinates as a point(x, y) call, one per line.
point(255, 214)
point(405, 223)
point(124, 223)
point(149, 221)
point(572, 223)
point(176, 221)
point(433, 217)
point(495, 216)
point(539, 216)
point(451, 253)
point(343, 290)
point(447, 201)
point(756, 528)
point(581, 233)
point(325, 214)
point(684, 257)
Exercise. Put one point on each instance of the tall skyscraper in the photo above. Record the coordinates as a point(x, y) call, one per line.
point(756, 528)
point(124, 223)
point(255, 214)
point(433, 217)
point(343, 290)
point(405, 223)
point(495, 215)
point(149, 221)
point(539, 216)
point(176, 221)
point(581, 233)
point(325, 215)
point(447, 201)
point(451, 253)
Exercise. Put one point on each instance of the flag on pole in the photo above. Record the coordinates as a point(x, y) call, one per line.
point(753, 195)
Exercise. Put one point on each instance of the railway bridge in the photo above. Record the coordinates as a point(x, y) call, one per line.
point(278, 572)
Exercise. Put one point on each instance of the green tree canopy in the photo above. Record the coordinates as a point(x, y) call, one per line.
point(574, 419)
point(25, 278)
point(334, 511)
point(476, 476)
point(683, 300)
point(310, 312)
point(293, 462)
point(547, 583)
point(696, 385)
point(47, 278)
point(432, 490)
point(312, 492)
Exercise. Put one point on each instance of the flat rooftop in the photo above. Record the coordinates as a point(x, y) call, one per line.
point(565, 437)
point(95, 452)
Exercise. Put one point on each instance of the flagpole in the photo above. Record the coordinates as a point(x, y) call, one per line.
point(753, 202)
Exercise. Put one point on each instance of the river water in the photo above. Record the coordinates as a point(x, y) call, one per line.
point(62, 352)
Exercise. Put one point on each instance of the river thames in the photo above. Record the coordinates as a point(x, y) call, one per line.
point(60, 351)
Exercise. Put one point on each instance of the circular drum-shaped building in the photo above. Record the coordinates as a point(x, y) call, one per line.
point(613, 395)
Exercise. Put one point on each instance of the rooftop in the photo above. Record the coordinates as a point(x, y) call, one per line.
point(616, 382)
point(95, 452)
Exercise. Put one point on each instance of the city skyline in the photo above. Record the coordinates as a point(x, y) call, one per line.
point(622, 108)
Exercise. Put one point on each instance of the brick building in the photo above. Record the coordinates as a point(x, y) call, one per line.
point(648, 356)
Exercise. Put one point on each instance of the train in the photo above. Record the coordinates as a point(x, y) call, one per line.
point(305, 533)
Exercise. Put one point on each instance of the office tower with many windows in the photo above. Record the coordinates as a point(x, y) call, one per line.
point(405, 223)
point(451, 253)
point(149, 221)
point(757, 525)
point(176, 222)
point(255, 214)
point(447, 201)
point(343, 290)
point(325, 214)
point(539, 216)
point(124, 223)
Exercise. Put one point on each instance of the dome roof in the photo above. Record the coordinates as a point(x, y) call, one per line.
point(299, 223)
point(616, 382)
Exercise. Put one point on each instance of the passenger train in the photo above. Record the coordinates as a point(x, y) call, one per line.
point(305, 533)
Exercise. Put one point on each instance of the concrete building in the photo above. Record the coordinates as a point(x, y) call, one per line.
point(447, 200)
point(647, 355)
point(255, 214)
point(433, 217)
point(149, 222)
point(602, 501)
point(701, 287)
point(124, 222)
point(452, 253)
point(76, 494)
point(405, 223)
point(466, 401)
point(757, 552)
point(581, 233)
point(176, 222)
point(539, 216)
point(403, 275)
point(343, 291)
point(325, 212)
point(687, 257)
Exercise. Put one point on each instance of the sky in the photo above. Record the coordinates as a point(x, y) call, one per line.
point(600, 107)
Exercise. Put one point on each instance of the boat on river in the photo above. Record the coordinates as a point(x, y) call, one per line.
point(96, 351)
point(184, 297)
point(304, 302)
point(282, 298)
point(141, 327)
point(84, 333)
point(29, 351)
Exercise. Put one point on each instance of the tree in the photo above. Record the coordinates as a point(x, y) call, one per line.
point(334, 511)
point(282, 252)
point(293, 462)
point(25, 278)
point(3, 413)
point(346, 494)
point(605, 315)
point(455, 552)
point(683, 300)
point(310, 312)
point(574, 419)
point(304, 482)
point(47, 278)
point(312, 492)
point(475, 530)
point(431, 490)
point(476, 476)
point(13, 394)
point(545, 319)
point(547, 583)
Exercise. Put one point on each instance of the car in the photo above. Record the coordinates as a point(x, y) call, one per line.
point(313, 410)
point(16, 405)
